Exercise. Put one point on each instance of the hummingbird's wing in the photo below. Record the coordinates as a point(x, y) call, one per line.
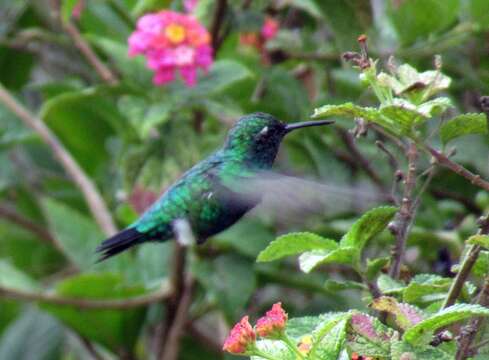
point(288, 198)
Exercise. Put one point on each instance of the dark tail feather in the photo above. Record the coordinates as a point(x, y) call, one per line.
point(119, 243)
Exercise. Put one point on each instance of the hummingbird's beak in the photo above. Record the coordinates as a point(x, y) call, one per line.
point(298, 125)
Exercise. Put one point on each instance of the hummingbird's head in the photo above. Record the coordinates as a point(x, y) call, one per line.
point(256, 137)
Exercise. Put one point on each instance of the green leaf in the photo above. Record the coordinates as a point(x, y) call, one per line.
point(275, 349)
point(482, 240)
point(67, 7)
point(372, 223)
point(334, 285)
point(369, 337)
point(388, 285)
point(229, 280)
point(405, 315)
point(423, 331)
point(115, 329)
point(142, 115)
point(133, 69)
point(78, 236)
point(413, 22)
point(479, 10)
point(12, 278)
point(222, 75)
point(295, 243)
point(481, 267)
point(464, 124)
point(308, 6)
point(375, 266)
point(342, 255)
point(329, 337)
point(351, 110)
point(34, 335)
point(78, 116)
point(298, 327)
point(425, 288)
point(403, 350)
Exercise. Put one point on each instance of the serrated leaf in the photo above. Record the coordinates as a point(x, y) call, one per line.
point(425, 288)
point(422, 332)
point(275, 349)
point(295, 243)
point(298, 327)
point(482, 240)
point(309, 260)
point(369, 337)
point(401, 350)
point(328, 340)
point(405, 315)
point(434, 107)
point(403, 114)
point(369, 225)
point(464, 124)
point(334, 285)
point(388, 285)
point(349, 110)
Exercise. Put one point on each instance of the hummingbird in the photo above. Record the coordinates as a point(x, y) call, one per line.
point(209, 196)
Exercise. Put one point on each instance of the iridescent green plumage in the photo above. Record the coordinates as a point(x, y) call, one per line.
point(209, 195)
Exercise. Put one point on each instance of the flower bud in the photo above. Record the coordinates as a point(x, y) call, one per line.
point(272, 325)
point(241, 338)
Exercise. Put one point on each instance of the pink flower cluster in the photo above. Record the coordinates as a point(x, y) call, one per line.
point(273, 323)
point(242, 338)
point(172, 41)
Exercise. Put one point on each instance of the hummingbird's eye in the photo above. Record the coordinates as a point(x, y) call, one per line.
point(264, 131)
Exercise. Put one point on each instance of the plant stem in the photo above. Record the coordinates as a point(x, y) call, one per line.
point(263, 355)
point(220, 12)
point(443, 160)
point(291, 346)
point(102, 70)
point(81, 303)
point(400, 226)
point(469, 332)
point(465, 268)
point(93, 198)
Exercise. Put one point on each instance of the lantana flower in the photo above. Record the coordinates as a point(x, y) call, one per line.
point(272, 325)
point(172, 41)
point(242, 338)
point(270, 28)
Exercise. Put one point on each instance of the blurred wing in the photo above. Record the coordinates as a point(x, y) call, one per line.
point(288, 198)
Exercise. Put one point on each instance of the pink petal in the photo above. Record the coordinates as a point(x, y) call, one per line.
point(189, 75)
point(164, 76)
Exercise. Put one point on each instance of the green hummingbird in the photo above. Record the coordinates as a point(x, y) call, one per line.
point(210, 195)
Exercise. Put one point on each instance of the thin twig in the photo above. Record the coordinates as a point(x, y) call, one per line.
point(178, 303)
point(443, 160)
point(349, 142)
point(465, 268)
point(93, 198)
point(90, 348)
point(220, 12)
point(400, 226)
point(102, 70)
point(172, 344)
point(129, 303)
point(16, 218)
point(469, 332)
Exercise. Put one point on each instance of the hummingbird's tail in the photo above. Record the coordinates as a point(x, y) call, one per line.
point(119, 243)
